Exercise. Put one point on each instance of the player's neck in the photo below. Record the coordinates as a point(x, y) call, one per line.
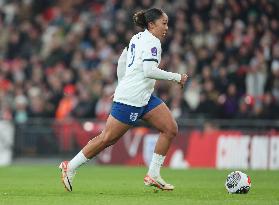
point(153, 34)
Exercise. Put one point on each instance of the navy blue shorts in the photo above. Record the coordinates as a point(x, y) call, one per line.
point(130, 114)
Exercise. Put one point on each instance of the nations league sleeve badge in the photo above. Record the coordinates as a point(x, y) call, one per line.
point(154, 51)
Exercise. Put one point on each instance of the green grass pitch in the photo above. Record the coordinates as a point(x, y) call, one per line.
point(40, 184)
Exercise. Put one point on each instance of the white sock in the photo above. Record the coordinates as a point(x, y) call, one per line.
point(77, 161)
point(155, 165)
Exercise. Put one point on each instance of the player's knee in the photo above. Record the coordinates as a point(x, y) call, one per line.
point(172, 130)
point(107, 139)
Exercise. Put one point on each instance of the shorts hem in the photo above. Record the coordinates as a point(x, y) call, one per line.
point(117, 118)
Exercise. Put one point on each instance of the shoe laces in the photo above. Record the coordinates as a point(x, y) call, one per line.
point(161, 180)
point(71, 175)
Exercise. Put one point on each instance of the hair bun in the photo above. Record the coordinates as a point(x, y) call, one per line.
point(139, 19)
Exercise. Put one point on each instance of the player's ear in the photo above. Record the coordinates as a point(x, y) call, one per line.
point(151, 25)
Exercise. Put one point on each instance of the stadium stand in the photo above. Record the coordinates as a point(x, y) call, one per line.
point(58, 58)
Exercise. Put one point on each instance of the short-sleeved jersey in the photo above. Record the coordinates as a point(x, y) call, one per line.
point(135, 89)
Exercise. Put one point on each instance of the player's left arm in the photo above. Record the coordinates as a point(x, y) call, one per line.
point(151, 70)
point(151, 56)
point(121, 65)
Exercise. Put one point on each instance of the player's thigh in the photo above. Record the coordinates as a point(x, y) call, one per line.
point(161, 118)
point(114, 129)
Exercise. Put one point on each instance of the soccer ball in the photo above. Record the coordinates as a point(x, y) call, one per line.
point(238, 182)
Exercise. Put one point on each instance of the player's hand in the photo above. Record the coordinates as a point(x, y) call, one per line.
point(184, 78)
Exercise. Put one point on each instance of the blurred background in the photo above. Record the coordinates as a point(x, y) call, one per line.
point(58, 70)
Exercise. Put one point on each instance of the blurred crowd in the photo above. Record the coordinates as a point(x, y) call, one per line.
point(58, 58)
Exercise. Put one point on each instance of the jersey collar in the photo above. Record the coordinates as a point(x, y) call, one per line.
point(150, 34)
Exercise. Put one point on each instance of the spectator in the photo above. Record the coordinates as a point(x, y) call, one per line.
point(269, 108)
point(229, 102)
point(47, 45)
point(67, 103)
point(104, 103)
point(20, 114)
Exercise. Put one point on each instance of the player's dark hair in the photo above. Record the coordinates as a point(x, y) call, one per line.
point(142, 18)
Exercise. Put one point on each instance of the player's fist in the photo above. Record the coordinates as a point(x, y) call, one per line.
point(184, 77)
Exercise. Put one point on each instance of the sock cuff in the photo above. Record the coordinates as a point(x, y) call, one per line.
point(77, 161)
point(83, 156)
point(158, 158)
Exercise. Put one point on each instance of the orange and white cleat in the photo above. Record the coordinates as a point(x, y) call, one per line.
point(157, 182)
point(66, 175)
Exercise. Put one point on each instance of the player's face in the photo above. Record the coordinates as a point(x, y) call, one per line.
point(159, 28)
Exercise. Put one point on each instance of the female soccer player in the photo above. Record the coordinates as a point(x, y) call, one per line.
point(137, 72)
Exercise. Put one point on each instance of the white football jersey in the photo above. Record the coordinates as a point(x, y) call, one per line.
point(134, 88)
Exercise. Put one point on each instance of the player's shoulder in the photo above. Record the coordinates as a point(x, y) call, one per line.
point(123, 55)
point(137, 36)
point(150, 37)
point(146, 36)
point(150, 41)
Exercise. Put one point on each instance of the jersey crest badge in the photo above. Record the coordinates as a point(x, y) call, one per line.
point(133, 116)
point(154, 51)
